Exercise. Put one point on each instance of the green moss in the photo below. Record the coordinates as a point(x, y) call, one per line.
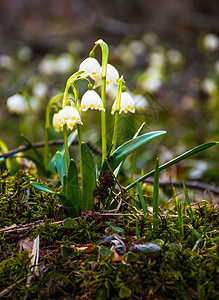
point(21, 203)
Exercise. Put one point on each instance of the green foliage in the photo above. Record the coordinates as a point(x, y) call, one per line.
point(89, 177)
point(129, 147)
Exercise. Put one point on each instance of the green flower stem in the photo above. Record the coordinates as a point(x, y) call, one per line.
point(116, 120)
point(79, 145)
point(103, 120)
point(105, 54)
point(50, 105)
point(65, 137)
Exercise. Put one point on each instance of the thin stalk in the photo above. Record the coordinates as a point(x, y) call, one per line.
point(156, 196)
point(51, 103)
point(79, 145)
point(116, 120)
point(103, 120)
point(65, 138)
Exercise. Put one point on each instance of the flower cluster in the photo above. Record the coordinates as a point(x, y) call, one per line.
point(91, 68)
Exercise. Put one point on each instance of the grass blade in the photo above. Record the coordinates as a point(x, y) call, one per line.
point(143, 204)
point(189, 209)
point(174, 161)
point(156, 196)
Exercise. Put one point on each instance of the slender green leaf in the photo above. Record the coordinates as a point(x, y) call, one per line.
point(137, 230)
point(73, 191)
point(205, 219)
point(189, 209)
point(143, 204)
point(89, 177)
point(129, 147)
point(43, 187)
point(174, 161)
point(156, 196)
point(60, 165)
point(179, 212)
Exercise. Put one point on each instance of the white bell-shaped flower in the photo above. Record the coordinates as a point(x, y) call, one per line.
point(91, 68)
point(127, 104)
point(91, 100)
point(112, 75)
point(70, 116)
point(17, 104)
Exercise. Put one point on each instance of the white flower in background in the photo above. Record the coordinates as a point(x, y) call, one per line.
point(91, 68)
point(211, 42)
point(138, 47)
point(40, 90)
point(6, 62)
point(47, 65)
point(17, 104)
point(127, 104)
point(157, 59)
point(91, 100)
point(55, 122)
point(24, 53)
point(150, 39)
point(64, 63)
point(70, 116)
point(209, 86)
point(141, 102)
point(175, 57)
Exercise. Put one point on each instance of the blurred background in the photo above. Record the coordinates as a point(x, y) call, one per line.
point(167, 50)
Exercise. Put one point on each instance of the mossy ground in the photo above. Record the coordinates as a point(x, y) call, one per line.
point(78, 261)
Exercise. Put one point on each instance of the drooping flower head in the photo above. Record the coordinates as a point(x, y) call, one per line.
point(112, 76)
point(91, 68)
point(127, 104)
point(91, 100)
point(69, 116)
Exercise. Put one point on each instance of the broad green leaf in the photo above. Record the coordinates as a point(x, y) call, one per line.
point(60, 165)
point(118, 169)
point(129, 147)
point(174, 161)
point(88, 177)
point(43, 187)
point(156, 196)
point(73, 191)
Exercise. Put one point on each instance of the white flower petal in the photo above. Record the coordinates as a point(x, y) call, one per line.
point(127, 104)
point(91, 100)
point(112, 75)
point(91, 68)
point(70, 116)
